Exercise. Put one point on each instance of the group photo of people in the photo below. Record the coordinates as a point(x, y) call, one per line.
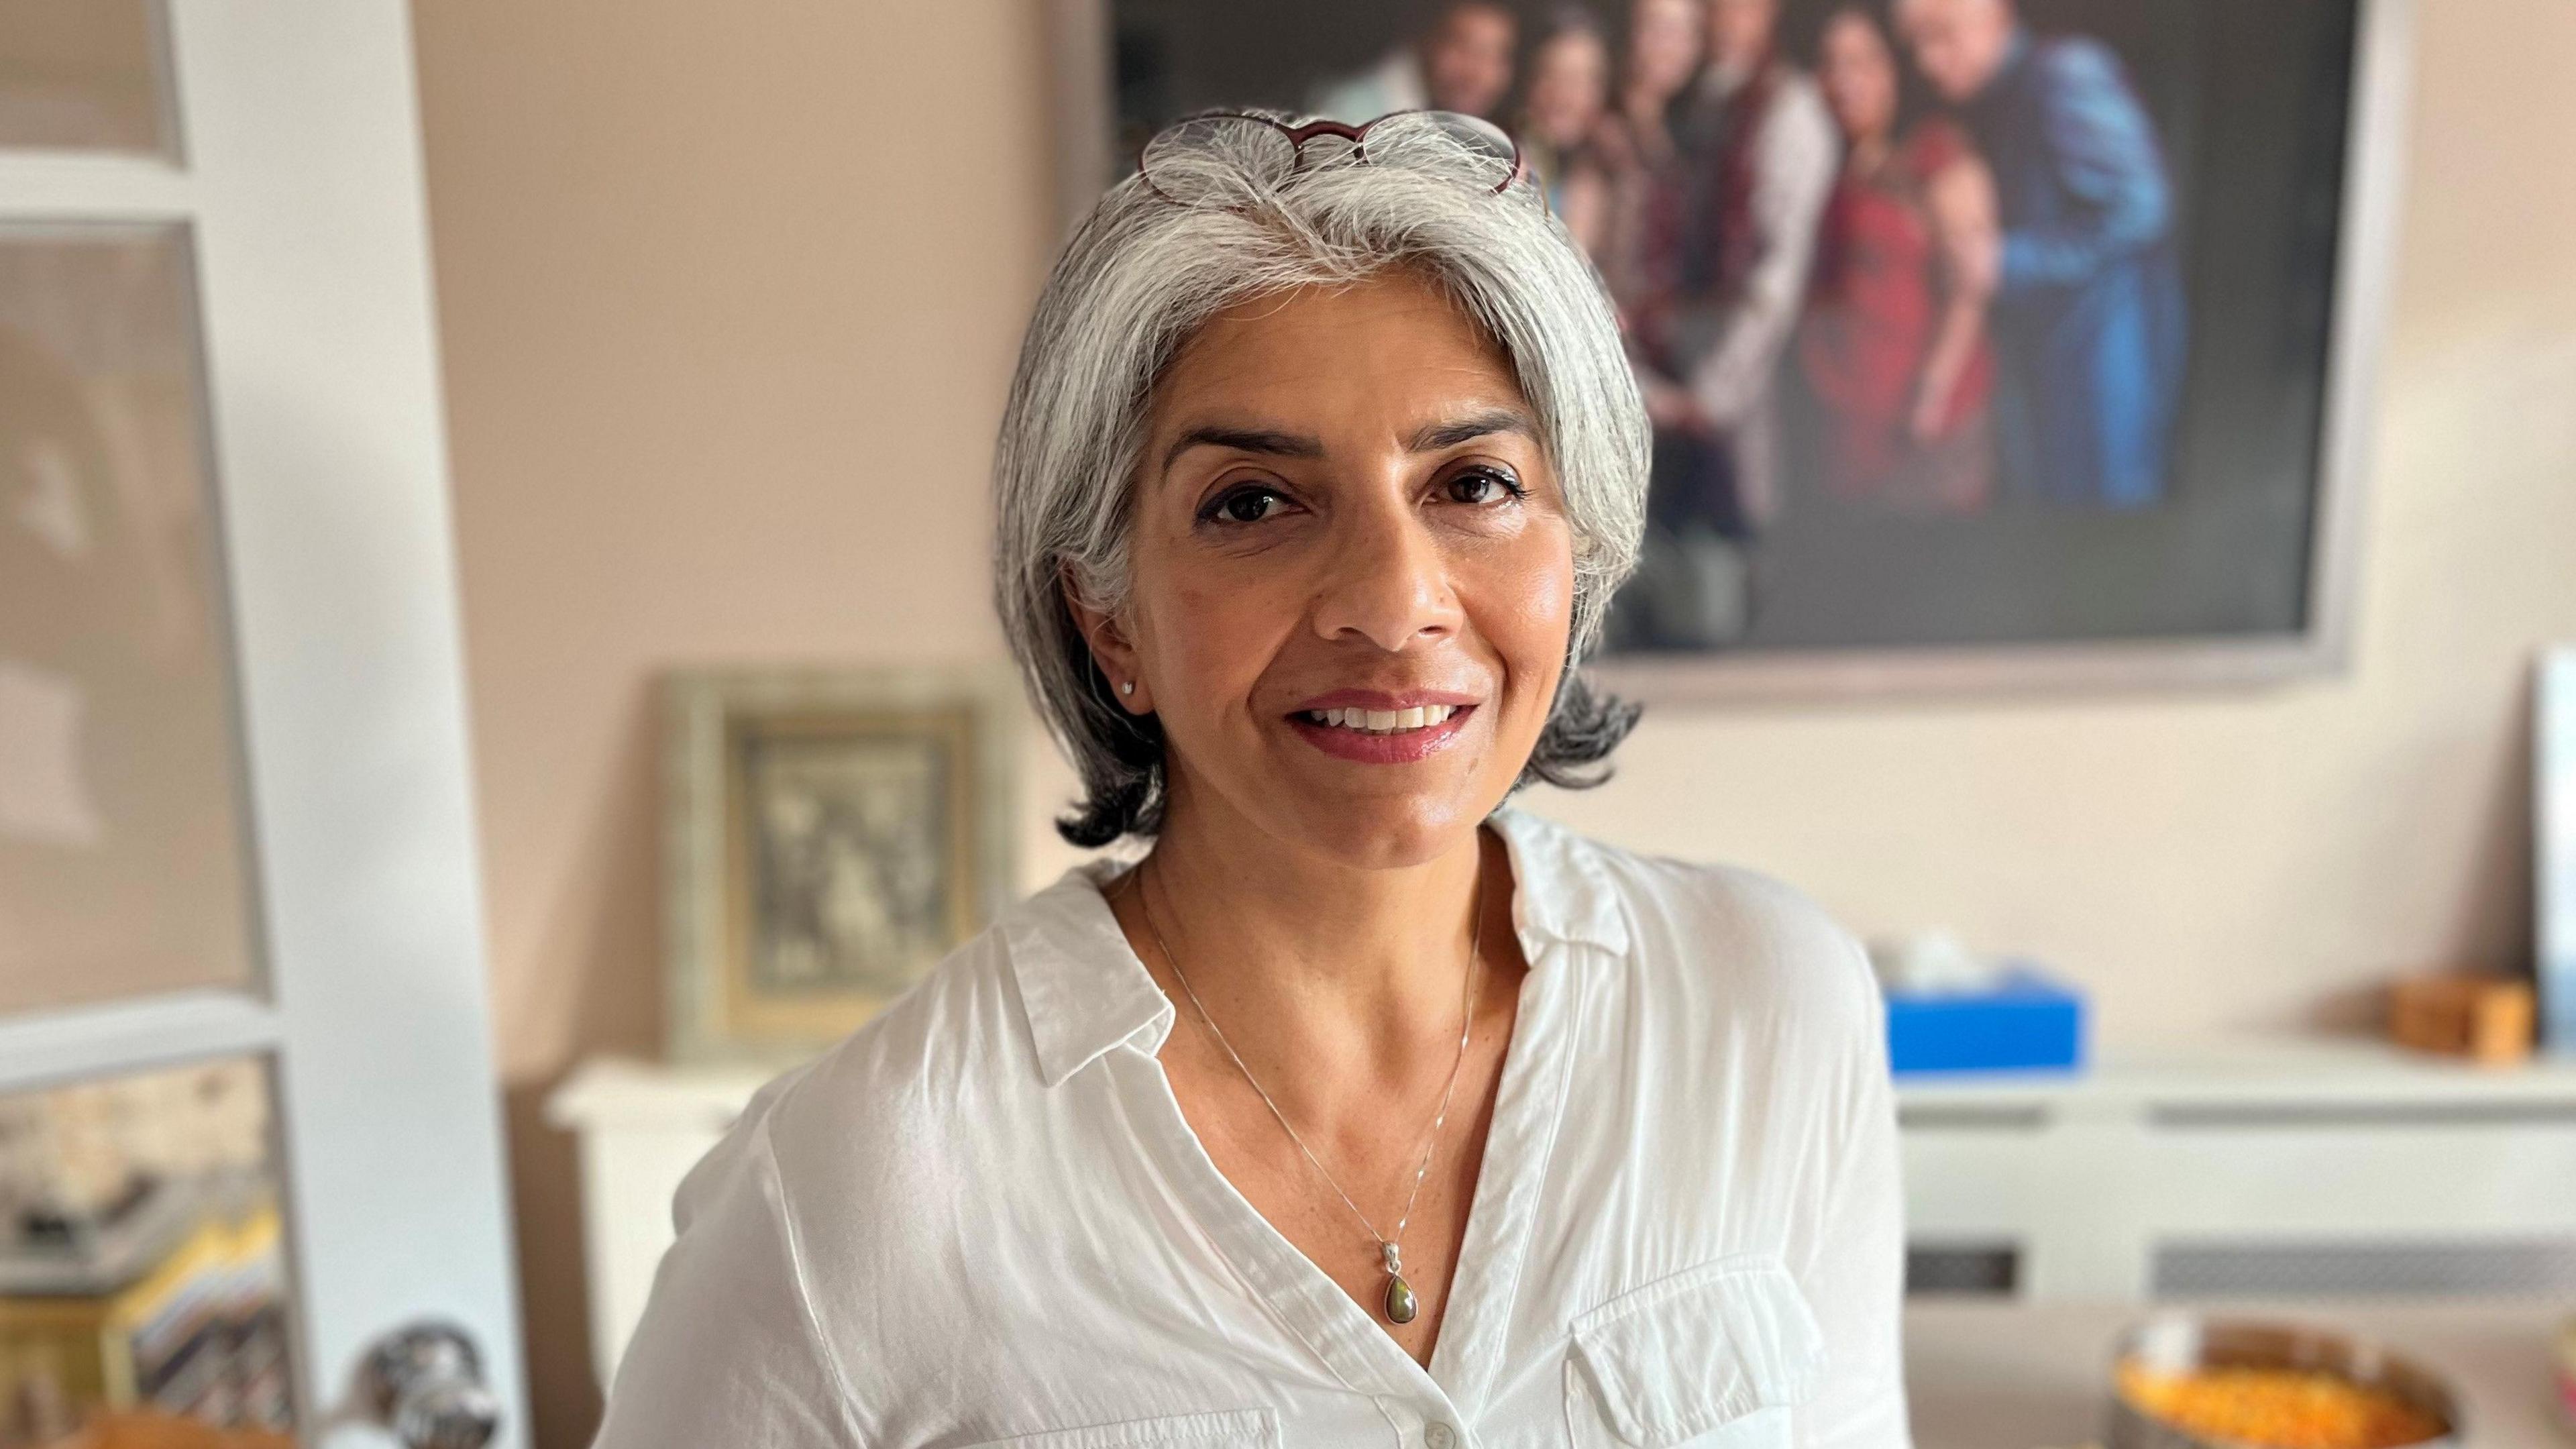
point(1903, 281)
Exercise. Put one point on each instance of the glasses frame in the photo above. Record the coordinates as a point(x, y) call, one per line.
point(1298, 136)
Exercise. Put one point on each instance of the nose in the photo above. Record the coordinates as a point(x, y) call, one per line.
point(1386, 579)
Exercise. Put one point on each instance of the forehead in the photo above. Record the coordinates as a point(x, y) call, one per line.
point(1850, 28)
point(1586, 46)
point(1943, 13)
point(1479, 22)
point(1322, 355)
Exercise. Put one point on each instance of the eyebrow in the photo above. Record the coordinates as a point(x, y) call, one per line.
point(1430, 438)
point(1436, 436)
point(1244, 440)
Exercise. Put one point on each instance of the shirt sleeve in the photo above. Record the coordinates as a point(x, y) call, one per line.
point(728, 1351)
point(1854, 1278)
point(2101, 147)
point(1793, 173)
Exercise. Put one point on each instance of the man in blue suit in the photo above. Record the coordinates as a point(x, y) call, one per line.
point(2088, 309)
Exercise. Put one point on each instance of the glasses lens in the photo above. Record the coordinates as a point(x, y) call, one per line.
point(1205, 156)
point(1446, 142)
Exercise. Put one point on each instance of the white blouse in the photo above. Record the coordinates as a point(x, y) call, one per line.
point(982, 1220)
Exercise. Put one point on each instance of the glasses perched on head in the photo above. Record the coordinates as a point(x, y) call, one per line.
point(1216, 152)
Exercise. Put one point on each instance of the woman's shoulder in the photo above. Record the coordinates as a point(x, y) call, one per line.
point(895, 1094)
point(1694, 926)
point(839, 1187)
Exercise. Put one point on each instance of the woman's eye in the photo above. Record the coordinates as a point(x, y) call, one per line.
point(1482, 486)
point(1247, 505)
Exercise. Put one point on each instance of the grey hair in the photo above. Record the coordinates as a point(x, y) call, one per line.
point(1142, 274)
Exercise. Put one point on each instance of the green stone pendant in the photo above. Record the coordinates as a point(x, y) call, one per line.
point(1400, 1306)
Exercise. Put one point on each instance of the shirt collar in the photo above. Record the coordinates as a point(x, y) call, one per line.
point(1081, 986)
point(1083, 991)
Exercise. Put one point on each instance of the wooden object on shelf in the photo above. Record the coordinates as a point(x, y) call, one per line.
point(2487, 1018)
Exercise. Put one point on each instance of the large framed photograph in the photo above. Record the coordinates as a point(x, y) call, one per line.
point(1989, 342)
point(831, 835)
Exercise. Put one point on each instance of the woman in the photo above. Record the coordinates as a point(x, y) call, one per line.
point(1361, 1111)
point(1640, 249)
point(1569, 92)
point(1893, 346)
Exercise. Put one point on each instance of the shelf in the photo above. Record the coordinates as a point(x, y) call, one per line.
point(2254, 1072)
point(621, 1093)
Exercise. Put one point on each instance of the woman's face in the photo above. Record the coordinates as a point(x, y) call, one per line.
point(1353, 576)
point(1663, 45)
point(1740, 31)
point(1569, 84)
point(1858, 73)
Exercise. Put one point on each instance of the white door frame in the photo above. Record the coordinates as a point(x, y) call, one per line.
point(300, 183)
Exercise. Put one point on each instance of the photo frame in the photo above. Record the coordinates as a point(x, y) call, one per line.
point(830, 835)
point(2238, 566)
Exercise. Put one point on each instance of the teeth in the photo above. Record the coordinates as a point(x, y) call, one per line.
point(1383, 721)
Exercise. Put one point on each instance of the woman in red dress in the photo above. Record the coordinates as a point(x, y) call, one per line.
point(1893, 345)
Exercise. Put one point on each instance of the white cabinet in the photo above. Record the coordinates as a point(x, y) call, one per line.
point(2294, 1169)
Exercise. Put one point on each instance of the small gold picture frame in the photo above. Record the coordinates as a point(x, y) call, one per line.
point(831, 835)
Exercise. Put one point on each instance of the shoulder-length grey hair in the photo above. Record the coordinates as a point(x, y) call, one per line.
point(1142, 274)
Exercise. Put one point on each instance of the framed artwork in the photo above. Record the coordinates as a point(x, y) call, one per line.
point(831, 834)
point(1989, 342)
point(2554, 814)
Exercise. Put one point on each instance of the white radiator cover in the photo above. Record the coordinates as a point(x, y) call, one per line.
point(2255, 1169)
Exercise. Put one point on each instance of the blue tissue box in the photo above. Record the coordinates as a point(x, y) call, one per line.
point(2025, 1022)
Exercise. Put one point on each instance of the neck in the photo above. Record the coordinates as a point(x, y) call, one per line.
point(1730, 74)
point(1351, 975)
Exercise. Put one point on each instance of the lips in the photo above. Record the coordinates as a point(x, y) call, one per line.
point(1377, 728)
point(1381, 721)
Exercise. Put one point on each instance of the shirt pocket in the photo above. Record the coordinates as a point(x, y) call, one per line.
point(1258, 1428)
point(1713, 1357)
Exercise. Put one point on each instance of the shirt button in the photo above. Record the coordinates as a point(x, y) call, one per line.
point(1440, 1436)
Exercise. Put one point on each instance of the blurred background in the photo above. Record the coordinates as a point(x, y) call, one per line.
point(538, 445)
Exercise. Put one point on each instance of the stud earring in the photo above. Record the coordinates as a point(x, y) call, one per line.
point(1127, 687)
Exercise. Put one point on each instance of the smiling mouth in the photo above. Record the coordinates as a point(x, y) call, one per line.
point(1381, 721)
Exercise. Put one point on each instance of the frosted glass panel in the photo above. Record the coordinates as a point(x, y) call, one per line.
point(82, 75)
point(143, 1294)
point(121, 858)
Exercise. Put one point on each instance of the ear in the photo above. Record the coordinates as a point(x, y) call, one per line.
point(1111, 649)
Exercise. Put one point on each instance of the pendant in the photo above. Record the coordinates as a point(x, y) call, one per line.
point(1400, 1305)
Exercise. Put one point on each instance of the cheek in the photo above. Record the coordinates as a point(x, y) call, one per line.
point(1531, 614)
point(1208, 630)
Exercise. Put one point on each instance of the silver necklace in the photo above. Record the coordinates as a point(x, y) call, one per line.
point(1400, 1304)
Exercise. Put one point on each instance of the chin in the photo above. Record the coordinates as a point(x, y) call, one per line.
point(1385, 816)
point(1383, 831)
